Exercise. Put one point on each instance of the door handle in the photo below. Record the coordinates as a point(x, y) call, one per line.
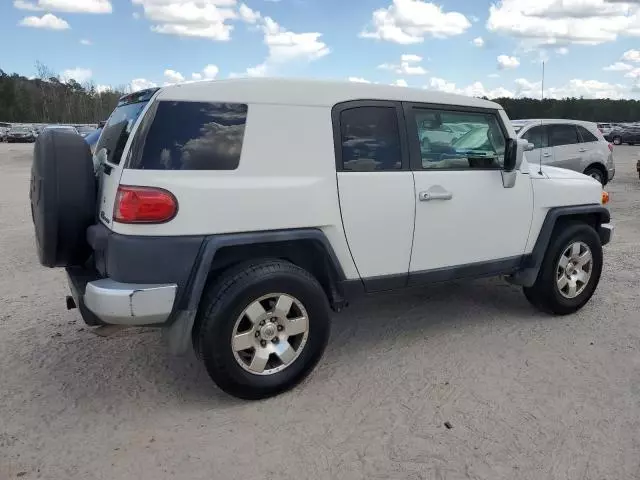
point(582, 150)
point(546, 155)
point(428, 196)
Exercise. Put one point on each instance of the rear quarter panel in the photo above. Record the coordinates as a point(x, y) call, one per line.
point(286, 179)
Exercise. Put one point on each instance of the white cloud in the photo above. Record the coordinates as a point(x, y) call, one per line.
point(635, 73)
point(494, 75)
point(478, 42)
point(407, 65)
point(248, 15)
point(562, 51)
point(84, 41)
point(196, 77)
point(476, 89)
point(563, 22)
point(48, 21)
point(70, 6)
point(257, 71)
point(285, 46)
point(618, 67)
point(135, 15)
point(358, 80)
point(141, 84)
point(506, 62)
point(210, 71)
point(190, 18)
point(78, 74)
point(400, 83)
point(574, 88)
point(410, 21)
point(103, 88)
point(631, 56)
point(171, 77)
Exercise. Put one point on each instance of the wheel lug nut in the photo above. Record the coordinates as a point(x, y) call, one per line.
point(263, 343)
point(275, 340)
point(262, 322)
point(257, 334)
point(273, 320)
point(280, 328)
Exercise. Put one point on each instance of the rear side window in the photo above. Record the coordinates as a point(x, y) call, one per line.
point(193, 136)
point(370, 139)
point(586, 135)
point(563, 135)
point(538, 136)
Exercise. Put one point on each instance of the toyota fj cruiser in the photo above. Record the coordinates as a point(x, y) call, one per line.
point(235, 214)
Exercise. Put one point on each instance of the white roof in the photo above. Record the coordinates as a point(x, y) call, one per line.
point(308, 92)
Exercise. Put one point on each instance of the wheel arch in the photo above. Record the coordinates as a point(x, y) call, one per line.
point(594, 215)
point(601, 168)
point(307, 248)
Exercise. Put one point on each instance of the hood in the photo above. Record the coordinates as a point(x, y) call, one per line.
point(563, 173)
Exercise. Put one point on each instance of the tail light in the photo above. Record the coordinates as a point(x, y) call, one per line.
point(605, 197)
point(144, 205)
point(610, 147)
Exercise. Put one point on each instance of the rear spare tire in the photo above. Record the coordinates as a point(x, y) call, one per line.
point(63, 198)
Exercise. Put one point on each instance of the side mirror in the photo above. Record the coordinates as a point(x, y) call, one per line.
point(513, 155)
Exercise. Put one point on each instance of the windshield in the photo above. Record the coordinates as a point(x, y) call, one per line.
point(118, 127)
point(20, 130)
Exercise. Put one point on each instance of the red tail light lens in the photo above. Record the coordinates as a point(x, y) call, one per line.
point(611, 147)
point(144, 205)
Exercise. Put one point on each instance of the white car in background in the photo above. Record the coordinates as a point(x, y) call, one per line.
point(572, 144)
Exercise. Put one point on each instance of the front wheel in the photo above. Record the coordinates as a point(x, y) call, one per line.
point(262, 328)
point(617, 140)
point(570, 271)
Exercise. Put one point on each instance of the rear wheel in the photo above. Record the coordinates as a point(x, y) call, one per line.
point(617, 140)
point(570, 271)
point(262, 328)
point(596, 173)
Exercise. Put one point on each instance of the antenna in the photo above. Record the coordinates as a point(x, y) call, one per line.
point(542, 89)
point(541, 127)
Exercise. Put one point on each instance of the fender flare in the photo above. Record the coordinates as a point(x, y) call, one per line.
point(532, 263)
point(178, 332)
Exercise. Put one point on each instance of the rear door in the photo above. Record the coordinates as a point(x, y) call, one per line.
point(376, 190)
point(592, 148)
point(567, 149)
point(538, 135)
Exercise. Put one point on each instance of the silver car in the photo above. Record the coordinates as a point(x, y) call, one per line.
point(571, 144)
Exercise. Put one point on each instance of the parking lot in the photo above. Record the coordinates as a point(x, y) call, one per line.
point(524, 395)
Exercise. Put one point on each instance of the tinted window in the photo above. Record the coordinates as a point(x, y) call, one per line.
point(563, 135)
point(459, 139)
point(370, 139)
point(538, 136)
point(586, 135)
point(193, 136)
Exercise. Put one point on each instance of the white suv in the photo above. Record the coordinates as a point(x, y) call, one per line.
point(235, 214)
point(572, 144)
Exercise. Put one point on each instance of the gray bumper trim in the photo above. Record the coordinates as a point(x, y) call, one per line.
point(129, 304)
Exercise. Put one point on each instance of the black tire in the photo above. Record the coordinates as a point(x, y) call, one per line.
point(545, 294)
point(224, 301)
point(63, 198)
point(596, 173)
point(616, 140)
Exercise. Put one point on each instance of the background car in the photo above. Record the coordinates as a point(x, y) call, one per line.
point(69, 128)
point(3, 134)
point(624, 134)
point(606, 128)
point(571, 144)
point(85, 130)
point(21, 134)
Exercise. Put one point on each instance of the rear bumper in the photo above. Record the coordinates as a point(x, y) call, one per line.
point(105, 301)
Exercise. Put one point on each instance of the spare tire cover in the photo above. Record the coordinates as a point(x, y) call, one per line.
point(63, 198)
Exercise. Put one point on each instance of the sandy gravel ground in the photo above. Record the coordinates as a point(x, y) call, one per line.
point(527, 396)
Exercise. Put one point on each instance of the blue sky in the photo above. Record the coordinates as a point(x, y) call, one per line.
point(591, 48)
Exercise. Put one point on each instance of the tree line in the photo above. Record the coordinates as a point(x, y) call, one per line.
point(48, 99)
